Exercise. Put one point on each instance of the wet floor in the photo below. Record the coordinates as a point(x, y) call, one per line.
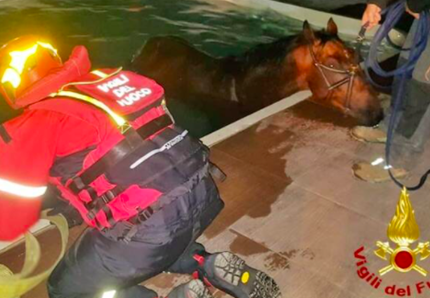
point(294, 209)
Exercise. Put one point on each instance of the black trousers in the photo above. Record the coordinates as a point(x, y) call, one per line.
point(416, 103)
point(98, 263)
point(416, 97)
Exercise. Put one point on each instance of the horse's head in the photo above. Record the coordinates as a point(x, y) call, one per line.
point(334, 76)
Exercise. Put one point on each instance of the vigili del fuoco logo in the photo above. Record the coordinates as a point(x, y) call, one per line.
point(402, 257)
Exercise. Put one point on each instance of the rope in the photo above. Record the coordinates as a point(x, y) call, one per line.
point(16, 285)
point(403, 73)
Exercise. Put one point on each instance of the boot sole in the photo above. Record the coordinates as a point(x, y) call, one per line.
point(232, 270)
point(197, 289)
point(373, 174)
point(373, 141)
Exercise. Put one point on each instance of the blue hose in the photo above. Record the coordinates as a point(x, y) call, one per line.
point(403, 73)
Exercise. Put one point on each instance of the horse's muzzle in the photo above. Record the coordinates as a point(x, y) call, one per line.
point(371, 117)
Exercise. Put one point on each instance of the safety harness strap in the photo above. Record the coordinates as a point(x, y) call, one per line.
point(216, 172)
point(125, 230)
point(133, 139)
point(141, 217)
point(4, 134)
point(100, 202)
point(82, 97)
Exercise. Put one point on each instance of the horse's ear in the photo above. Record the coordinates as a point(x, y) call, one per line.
point(308, 32)
point(331, 27)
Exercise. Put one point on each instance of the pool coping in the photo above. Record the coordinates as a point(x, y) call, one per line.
point(347, 26)
point(242, 124)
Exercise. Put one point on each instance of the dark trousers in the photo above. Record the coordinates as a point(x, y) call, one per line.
point(98, 263)
point(416, 92)
point(416, 103)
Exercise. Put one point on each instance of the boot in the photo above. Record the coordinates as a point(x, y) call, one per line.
point(377, 173)
point(187, 262)
point(369, 134)
point(230, 274)
point(192, 289)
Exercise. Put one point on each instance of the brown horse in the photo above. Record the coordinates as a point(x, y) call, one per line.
point(239, 85)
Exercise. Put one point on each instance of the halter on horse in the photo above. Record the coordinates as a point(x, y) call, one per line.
point(349, 79)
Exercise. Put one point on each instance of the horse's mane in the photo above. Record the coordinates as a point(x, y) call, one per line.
point(275, 51)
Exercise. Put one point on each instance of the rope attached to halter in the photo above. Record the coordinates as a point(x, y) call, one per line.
point(360, 38)
point(403, 73)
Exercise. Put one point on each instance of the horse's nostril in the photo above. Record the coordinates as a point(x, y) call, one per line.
point(373, 117)
point(369, 116)
point(380, 116)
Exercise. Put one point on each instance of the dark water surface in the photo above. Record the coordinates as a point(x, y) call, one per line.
point(113, 30)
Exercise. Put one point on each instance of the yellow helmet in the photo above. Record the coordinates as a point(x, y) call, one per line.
point(24, 61)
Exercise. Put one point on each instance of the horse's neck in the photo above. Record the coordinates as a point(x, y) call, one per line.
point(279, 80)
point(267, 82)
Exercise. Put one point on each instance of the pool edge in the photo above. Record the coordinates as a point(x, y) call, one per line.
point(242, 124)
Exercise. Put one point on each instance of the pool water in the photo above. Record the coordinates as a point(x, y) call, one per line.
point(113, 30)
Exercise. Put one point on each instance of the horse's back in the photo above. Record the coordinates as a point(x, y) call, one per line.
point(165, 52)
point(175, 64)
point(163, 45)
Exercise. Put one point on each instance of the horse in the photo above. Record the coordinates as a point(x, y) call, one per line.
point(236, 86)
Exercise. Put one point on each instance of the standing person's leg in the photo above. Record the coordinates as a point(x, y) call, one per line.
point(412, 130)
point(379, 134)
point(416, 97)
point(415, 101)
point(411, 127)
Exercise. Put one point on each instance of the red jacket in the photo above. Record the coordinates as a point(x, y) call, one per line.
point(38, 137)
point(111, 167)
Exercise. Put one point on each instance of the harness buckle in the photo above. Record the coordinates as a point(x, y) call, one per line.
point(107, 196)
point(91, 215)
point(353, 70)
point(77, 185)
point(145, 214)
point(129, 234)
point(4, 134)
point(99, 203)
point(216, 172)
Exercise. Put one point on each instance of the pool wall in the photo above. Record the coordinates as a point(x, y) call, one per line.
point(347, 26)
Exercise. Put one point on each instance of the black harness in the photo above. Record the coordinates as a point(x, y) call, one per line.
point(4, 134)
point(6, 113)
